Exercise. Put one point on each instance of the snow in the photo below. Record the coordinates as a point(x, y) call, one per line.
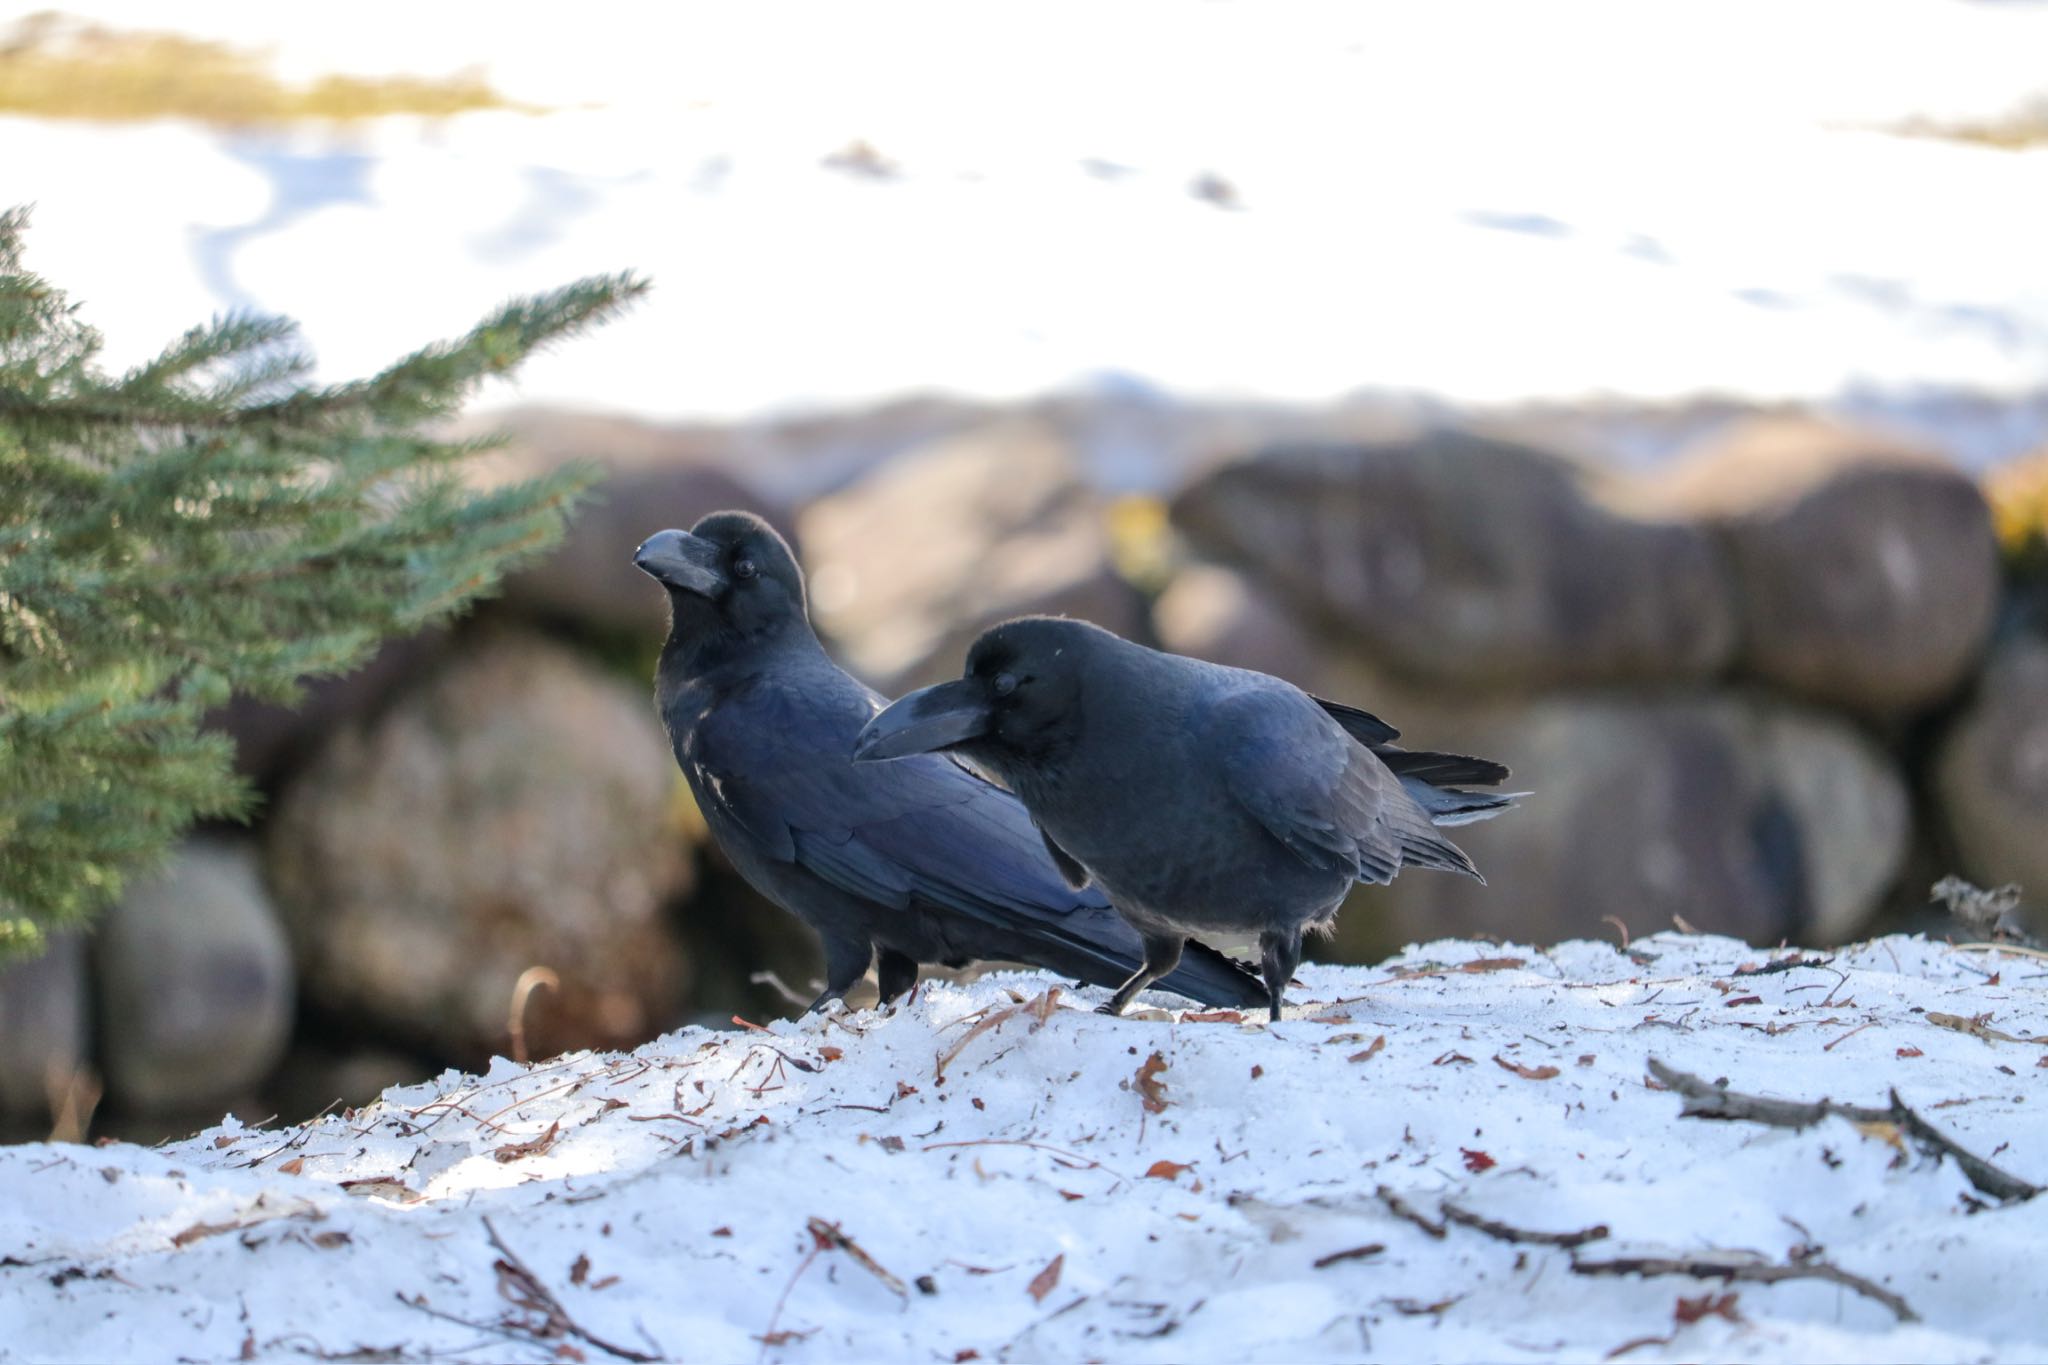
point(894, 1186)
point(1471, 202)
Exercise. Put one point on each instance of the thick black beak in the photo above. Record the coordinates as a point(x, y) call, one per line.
point(926, 720)
point(680, 560)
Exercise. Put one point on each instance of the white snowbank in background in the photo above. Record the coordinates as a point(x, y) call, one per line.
point(1014, 1197)
point(1475, 202)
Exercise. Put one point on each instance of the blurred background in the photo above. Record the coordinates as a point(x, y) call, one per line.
point(1652, 397)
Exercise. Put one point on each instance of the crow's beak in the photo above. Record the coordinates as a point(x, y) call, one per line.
point(680, 560)
point(926, 720)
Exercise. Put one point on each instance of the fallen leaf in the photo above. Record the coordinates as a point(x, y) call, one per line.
point(293, 1167)
point(1166, 1170)
point(1450, 1057)
point(1916, 1052)
point(380, 1187)
point(514, 1151)
point(1977, 1026)
point(1043, 1282)
point(1258, 1071)
point(1706, 1306)
point(1372, 1049)
point(1213, 1017)
point(965, 1354)
point(199, 1231)
point(1527, 1073)
point(831, 1054)
point(565, 1351)
point(1151, 1090)
point(226, 1140)
point(1493, 964)
point(328, 1241)
point(1744, 1000)
point(721, 1232)
point(1070, 1196)
point(1884, 1131)
point(606, 1283)
point(1588, 1058)
point(579, 1270)
point(1477, 1161)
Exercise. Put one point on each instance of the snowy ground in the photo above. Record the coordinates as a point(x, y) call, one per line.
point(966, 1179)
point(1472, 202)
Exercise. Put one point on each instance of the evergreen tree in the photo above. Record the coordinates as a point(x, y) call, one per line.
point(211, 522)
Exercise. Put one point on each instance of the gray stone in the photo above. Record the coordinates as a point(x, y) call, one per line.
point(1991, 773)
point(1215, 613)
point(45, 1025)
point(1741, 815)
point(1455, 559)
point(515, 810)
point(194, 983)
point(1866, 573)
point(908, 565)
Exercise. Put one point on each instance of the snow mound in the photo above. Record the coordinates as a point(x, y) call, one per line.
point(1461, 1154)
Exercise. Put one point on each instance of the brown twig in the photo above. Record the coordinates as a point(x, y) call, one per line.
point(524, 1288)
point(530, 980)
point(1704, 1100)
point(1401, 1208)
point(1721, 1265)
point(1508, 1233)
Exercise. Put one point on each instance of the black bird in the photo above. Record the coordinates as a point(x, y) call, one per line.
point(923, 861)
point(1199, 797)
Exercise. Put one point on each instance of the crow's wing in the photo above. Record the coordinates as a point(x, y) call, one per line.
point(1317, 790)
point(921, 830)
point(1363, 726)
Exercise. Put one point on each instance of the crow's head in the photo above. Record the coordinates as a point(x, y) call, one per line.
point(1019, 703)
point(730, 574)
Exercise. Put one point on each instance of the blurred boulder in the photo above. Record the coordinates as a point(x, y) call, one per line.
point(1214, 613)
point(1454, 558)
point(1741, 815)
point(908, 565)
point(45, 1025)
point(271, 739)
point(1866, 573)
point(1991, 772)
point(655, 476)
point(194, 983)
point(513, 811)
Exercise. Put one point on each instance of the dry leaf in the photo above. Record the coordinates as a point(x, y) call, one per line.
point(1043, 1282)
point(1372, 1049)
point(579, 1270)
point(513, 1151)
point(1213, 1017)
point(1916, 1052)
point(1744, 1000)
point(1166, 1170)
point(1151, 1090)
point(226, 1140)
point(293, 1167)
point(380, 1187)
point(831, 1054)
point(328, 1241)
point(1476, 1161)
point(1493, 964)
point(199, 1231)
point(1450, 1057)
point(1527, 1073)
point(1706, 1306)
point(1885, 1132)
point(1977, 1026)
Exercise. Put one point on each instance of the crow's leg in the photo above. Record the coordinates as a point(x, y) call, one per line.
point(1162, 955)
point(1279, 955)
point(846, 961)
point(894, 974)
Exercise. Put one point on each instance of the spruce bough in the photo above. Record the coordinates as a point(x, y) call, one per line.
point(209, 523)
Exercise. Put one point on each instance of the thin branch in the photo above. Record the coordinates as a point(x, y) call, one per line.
point(1721, 1265)
point(541, 1299)
point(1705, 1100)
point(1401, 1208)
point(1508, 1233)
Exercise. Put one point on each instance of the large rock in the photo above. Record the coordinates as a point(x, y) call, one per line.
point(1992, 772)
point(1866, 573)
point(45, 1025)
point(1456, 559)
point(195, 983)
point(1741, 815)
point(908, 565)
point(1215, 613)
point(655, 476)
point(515, 811)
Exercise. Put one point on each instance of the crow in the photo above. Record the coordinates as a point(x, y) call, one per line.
point(922, 861)
point(1200, 797)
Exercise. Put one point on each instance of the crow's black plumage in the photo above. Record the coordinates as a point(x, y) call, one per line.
point(1199, 797)
point(921, 861)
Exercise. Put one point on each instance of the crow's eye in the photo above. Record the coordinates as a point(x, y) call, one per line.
point(1005, 684)
point(743, 568)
